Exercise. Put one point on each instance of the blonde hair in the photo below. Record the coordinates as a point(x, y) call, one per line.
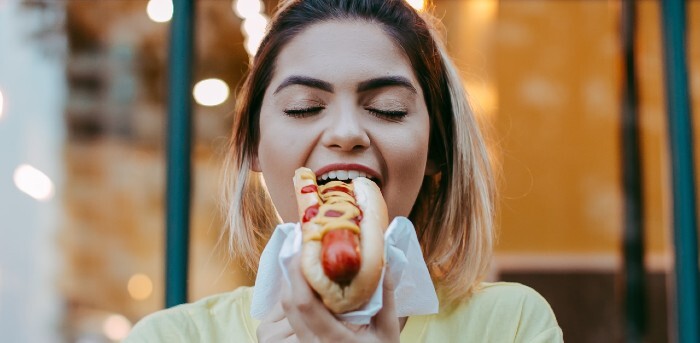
point(453, 214)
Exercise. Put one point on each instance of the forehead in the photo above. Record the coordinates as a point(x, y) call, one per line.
point(338, 51)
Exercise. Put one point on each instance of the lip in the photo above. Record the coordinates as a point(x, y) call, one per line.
point(350, 166)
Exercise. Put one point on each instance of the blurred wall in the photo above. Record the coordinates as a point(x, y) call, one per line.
point(116, 116)
point(545, 77)
point(31, 133)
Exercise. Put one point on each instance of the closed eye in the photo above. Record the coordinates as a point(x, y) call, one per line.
point(391, 115)
point(303, 112)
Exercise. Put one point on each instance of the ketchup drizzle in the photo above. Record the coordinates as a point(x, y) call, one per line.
point(358, 219)
point(337, 189)
point(309, 189)
point(310, 212)
point(334, 213)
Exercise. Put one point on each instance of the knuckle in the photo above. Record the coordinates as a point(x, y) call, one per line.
point(286, 304)
point(304, 305)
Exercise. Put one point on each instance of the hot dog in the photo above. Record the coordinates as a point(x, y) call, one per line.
point(343, 225)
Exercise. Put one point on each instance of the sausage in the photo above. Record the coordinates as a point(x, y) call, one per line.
point(340, 255)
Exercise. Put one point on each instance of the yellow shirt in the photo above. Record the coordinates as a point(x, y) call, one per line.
point(499, 312)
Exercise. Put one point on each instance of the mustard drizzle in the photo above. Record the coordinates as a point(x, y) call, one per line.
point(337, 201)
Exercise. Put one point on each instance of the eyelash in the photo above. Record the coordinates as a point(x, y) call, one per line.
point(388, 115)
point(382, 114)
point(303, 112)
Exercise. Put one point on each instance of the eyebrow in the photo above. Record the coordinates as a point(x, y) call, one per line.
point(386, 81)
point(371, 84)
point(305, 81)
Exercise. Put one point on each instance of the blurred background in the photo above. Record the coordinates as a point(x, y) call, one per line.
point(82, 155)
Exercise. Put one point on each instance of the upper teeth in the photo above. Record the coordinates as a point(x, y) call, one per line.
point(342, 175)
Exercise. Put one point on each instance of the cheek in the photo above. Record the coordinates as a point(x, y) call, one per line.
point(408, 148)
point(406, 158)
point(410, 174)
point(275, 159)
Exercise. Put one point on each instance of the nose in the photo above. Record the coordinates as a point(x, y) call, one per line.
point(345, 131)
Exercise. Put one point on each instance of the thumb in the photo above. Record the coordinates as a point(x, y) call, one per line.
point(386, 320)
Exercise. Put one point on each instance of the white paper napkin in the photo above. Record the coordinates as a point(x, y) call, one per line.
point(413, 291)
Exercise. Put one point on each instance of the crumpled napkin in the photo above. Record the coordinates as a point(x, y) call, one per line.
point(413, 289)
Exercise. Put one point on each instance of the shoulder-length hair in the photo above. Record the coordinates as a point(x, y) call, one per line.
point(453, 213)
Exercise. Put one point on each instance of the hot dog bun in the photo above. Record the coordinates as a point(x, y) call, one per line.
point(374, 220)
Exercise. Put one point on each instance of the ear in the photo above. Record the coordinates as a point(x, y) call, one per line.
point(431, 167)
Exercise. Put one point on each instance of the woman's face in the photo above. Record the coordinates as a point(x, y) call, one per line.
point(344, 100)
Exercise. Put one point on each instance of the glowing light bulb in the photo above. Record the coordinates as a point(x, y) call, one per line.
point(247, 8)
point(116, 327)
point(210, 92)
point(140, 286)
point(160, 11)
point(417, 4)
point(33, 182)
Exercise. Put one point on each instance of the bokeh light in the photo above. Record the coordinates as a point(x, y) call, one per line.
point(140, 286)
point(417, 4)
point(160, 11)
point(33, 182)
point(247, 8)
point(252, 43)
point(116, 327)
point(254, 31)
point(255, 25)
point(210, 92)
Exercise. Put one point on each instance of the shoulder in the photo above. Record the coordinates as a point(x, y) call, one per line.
point(508, 294)
point(207, 319)
point(509, 311)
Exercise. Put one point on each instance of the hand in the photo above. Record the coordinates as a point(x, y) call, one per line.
point(312, 322)
point(275, 327)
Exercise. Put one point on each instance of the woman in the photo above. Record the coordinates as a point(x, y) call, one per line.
point(361, 85)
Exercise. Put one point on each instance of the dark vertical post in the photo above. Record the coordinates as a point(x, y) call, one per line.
point(633, 240)
point(179, 162)
point(682, 168)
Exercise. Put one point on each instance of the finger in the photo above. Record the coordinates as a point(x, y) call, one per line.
point(290, 339)
point(276, 313)
point(274, 326)
point(310, 310)
point(290, 305)
point(386, 320)
point(274, 332)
